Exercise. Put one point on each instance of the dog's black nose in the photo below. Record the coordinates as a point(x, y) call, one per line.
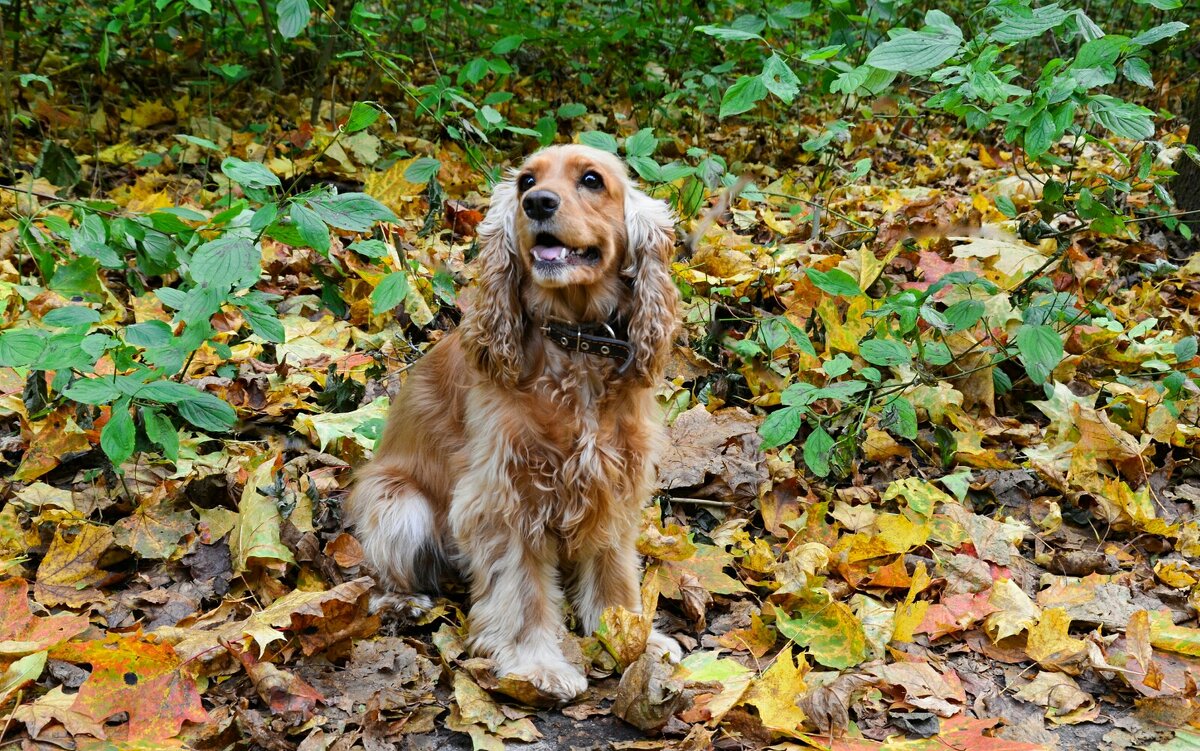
point(540, 204)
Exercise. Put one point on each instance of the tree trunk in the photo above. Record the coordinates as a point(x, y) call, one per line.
point(1186, 185)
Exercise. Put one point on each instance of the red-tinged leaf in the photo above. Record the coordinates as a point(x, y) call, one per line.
point(955, 613)
point(284, 692)
point(21, 632)
point(957, 733)
point(708, 565)
point(140, 676)
point(461, 218)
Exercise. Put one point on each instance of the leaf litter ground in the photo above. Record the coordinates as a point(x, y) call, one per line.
point(1034, 586)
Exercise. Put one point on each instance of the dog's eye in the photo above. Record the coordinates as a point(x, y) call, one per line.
point(592, 179)
point(525, 182)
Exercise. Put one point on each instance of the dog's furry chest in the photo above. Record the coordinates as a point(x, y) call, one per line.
point(579, 460)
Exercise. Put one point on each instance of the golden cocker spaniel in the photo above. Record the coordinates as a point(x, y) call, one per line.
point(521, 448)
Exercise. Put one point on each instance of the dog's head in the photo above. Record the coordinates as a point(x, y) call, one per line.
point(570, 236)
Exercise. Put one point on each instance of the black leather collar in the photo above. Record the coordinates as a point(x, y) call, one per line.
point(590, 339)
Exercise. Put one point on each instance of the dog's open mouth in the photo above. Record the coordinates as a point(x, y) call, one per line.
point(549, 251)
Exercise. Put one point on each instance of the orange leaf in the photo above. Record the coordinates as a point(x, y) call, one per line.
point(142, 677)
point(21, 632)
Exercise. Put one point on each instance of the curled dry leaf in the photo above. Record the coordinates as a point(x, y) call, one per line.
point(283, 691)
point(648, 696)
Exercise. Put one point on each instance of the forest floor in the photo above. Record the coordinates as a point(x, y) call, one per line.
point(1018, 568)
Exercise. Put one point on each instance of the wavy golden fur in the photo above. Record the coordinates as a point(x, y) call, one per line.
point(521, 464)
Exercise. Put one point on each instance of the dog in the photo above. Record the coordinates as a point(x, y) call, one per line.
point(521, 448)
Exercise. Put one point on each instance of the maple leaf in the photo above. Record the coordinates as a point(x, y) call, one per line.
point(957, 732)
point(318, 618)
point(55, 706)
point(21, 632)
point(955, 613)
point(1049, 642)
point(706, 566)
point(757, 638)
point(140, 676)
point(69, 573)
point(153, 532)
point(709, 668)
point(775, 692)
point(1013, 612)
point(830, 632)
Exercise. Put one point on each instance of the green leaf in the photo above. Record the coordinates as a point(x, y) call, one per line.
point(571, 109)
point(149, 334)
point(779, 78)
point(642, 143)
point(1041, 350)
point(58, 165)
point(93, 391)
point(207, 412)
point(117, 436)
point(1138, 70)
point(293, 17)
point(885, 352)
point(72, 315)
point(21, 347)
point(1185, 349)
point(507, 44)
point(831, 633)
point(203, 143)
point(1006, 206)
point(1019, 23)
point(422, 170)
point(964, 314)
point(353, 212)
point(1039, 134)
point(861, 168)
point(160, 431)
point(913, 51)
point(228, 261)
point(313, 231)
point(746, 92)
point(390, 292)
point(1124, 119)
point(780, 427)
point(900, 417)
point(1160, 32)
point(598, 139)
point(835, 282)
point(817, 448)
point(265, 324)
point(732, 35)
point(249, 174)
point(362, 116)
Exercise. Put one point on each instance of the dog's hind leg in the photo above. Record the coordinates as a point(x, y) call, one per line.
point(395, 523)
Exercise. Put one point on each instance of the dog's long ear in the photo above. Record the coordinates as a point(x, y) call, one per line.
point(650, 243)
point(493, 329)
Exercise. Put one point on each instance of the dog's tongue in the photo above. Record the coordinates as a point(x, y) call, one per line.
point(548, 252)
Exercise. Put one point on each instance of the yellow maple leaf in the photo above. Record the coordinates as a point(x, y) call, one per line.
point(774, 694)
point(1050, 643)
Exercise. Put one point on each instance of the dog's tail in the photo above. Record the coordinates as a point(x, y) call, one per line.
point(395, 523)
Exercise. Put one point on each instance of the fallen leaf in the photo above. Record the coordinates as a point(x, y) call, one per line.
point(69, 573)
point(21, 632)
point(139, 676)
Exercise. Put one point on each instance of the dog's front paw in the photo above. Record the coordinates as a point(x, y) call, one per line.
point(660, 645)
point(555, 679)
